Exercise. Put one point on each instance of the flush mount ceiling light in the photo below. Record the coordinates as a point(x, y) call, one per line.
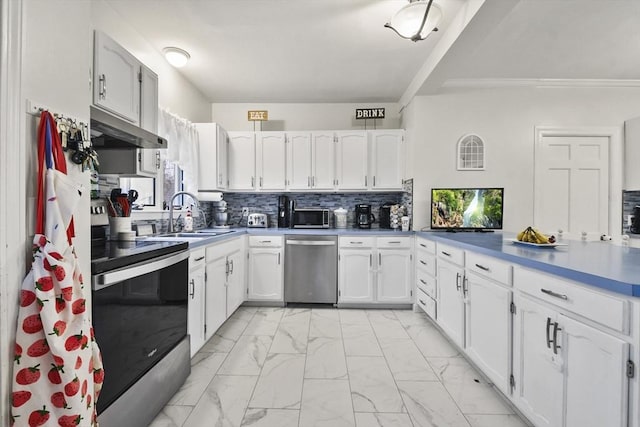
point(176, 56)
point(416, 20)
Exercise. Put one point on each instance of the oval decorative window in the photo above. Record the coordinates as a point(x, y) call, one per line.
point(471, 153)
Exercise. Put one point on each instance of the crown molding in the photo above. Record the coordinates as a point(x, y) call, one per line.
point(540, 83)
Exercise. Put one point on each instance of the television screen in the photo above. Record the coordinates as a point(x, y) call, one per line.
point(467, 208)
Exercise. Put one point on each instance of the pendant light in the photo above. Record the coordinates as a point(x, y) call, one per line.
point(416, 20)
point(176, 56)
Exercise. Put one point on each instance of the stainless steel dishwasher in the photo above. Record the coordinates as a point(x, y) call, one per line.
point(311, 269)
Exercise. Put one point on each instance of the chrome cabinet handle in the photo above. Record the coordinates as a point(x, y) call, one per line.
point(555, 337)
point(200, 258)
point(370, 259)
point(458, 281)
point(308, 181)
point(482, 267)
point(374, 180)
point(102, 85)
point(265, 241)
point(313, 181)
point(465, 286)
point(549, 341)
point(422, 262)
point(356, 243)
point(422, 302)
point(158, 160)
point(445, 253)
point(423, 245)
point(231, 271)
point(365, 180)
point(278, 258)
point(380, 259)
point(554, 294)
point(226, 268)
point(423, 282)
point(252, 181)
point(260, 182)
point(395, 242)
point(193, 289)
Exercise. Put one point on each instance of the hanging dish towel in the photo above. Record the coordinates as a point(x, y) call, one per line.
point(58, 371)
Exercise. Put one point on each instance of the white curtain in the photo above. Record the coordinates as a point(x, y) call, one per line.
point(182, 138)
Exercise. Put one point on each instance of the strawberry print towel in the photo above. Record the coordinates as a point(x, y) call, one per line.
point(57, 368)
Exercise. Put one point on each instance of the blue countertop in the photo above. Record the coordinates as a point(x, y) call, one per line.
point(599, 264)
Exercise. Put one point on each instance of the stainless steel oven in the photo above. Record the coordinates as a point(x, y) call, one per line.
point(139, 304)
point(310, 218)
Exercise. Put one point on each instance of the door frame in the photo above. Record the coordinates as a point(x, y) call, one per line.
point(616, 165)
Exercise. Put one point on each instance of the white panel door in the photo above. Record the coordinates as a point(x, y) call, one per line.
point(241, 160)
point(324, 161)
point(538, 371)
point(216, 295)
point(355, 279)
point(265, 274)
point(299, 169)
point(572, 183)
point(271, 158)
point(387, 159)
point(352, 160)
point(236, 289)
point(394, 276)
point(196, 310)
point(450, 301)
point(596, 380)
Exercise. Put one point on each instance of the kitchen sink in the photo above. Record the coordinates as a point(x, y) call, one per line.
point(188, 235)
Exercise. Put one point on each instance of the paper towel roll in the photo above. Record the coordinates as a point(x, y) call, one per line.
point(210, 196)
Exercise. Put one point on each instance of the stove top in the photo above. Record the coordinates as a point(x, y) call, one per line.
point(107, 255)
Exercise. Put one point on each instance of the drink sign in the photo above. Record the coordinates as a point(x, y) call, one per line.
point(369, 113)
point(258, 115)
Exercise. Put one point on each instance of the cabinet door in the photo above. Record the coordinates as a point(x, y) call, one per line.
point(148, 162)
point(241, 160)
point(355, 276)
point(116, 87)
point(596, 381)
point(270, 158)
point(394, 276)
point(209, 147)
point(148, 99)
point(352, 160)
point(235, 282)
point(222, 158)
point(324, 161)
point(387, 159)
point(196, 320)
point(216, 295)
point(537, 370)
point(488, 329)
point(450, 301)
point(265, 274)
point(299, 160)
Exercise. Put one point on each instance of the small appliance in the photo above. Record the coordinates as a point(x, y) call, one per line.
point(364, 217)
point(220, 214)
point(635, 224)
point(284, 212)
point(310, 218)
point(385, 215)
point(257, 220)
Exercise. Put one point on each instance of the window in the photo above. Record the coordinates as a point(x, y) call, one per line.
point(471, 153)
point(146, 188)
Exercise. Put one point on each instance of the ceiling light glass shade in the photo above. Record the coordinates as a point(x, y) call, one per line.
point(176, 56)
point(408, 20)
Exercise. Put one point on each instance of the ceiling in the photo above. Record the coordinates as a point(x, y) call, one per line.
point(338, 50)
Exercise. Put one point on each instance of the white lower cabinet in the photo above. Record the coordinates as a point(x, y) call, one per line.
point(567, 373)
point(266, 272)
point(451, 300)
point(375, 270)
point(196, 302)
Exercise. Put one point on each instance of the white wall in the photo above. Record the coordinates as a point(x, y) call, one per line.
point(175, 93)
point(505, 118)
point(290, 117)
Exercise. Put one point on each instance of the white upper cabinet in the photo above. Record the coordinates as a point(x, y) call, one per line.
point(212, 157)
point(310, 161)
point(632, 154)
point(387, 159)
point(241, 161)
point(271, 154)
point(323, 161)
point(116, 84)
point(299, 160)
point(352, 170)
point(148, 99)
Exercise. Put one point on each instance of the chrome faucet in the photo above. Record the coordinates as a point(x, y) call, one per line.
point(195, 199)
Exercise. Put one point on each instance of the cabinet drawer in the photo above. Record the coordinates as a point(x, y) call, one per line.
point(426, 283)
point(426, 245)
point(450, 253)
point(604, 309)
point(356, 242)
point(196, 258)
point(427, 304)
point(265, 241)
point(394, 242)
point(490, 267)
point(218, 250)
point(426, 262)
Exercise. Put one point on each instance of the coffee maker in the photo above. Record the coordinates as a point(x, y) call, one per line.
point(364, 217)
point(284, 211)
point(635, 224)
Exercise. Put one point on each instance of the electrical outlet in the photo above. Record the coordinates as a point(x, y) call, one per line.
point(245, 212)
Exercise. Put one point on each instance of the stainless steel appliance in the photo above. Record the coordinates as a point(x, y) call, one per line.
point(257, 220)
point(635, 224)
point(139, 311)
point(385, 215)
point(284, 212)
point(364, 217)
point(311, 269)
point(220, 214)
point(310, 218)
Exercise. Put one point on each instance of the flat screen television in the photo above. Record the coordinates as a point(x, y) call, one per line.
point(467, 208)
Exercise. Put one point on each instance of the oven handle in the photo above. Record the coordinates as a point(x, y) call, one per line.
point(104, 280)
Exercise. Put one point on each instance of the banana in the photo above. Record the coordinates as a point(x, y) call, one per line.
point(531, 235)
point(520, 236)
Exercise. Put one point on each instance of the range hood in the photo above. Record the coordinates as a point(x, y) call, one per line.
point(109, 131)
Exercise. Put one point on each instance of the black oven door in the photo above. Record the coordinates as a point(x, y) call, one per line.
point(139, 315)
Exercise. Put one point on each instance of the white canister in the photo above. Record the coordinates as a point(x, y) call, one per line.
point(340, 215)
point(405, 223)
point(119, 224)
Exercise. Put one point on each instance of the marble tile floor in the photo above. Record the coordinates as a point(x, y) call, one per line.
point(297, 367)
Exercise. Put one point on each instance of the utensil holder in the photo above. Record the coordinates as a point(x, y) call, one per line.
point(118, 224)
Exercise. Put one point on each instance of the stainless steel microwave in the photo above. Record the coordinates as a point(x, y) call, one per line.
point(310, 218)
